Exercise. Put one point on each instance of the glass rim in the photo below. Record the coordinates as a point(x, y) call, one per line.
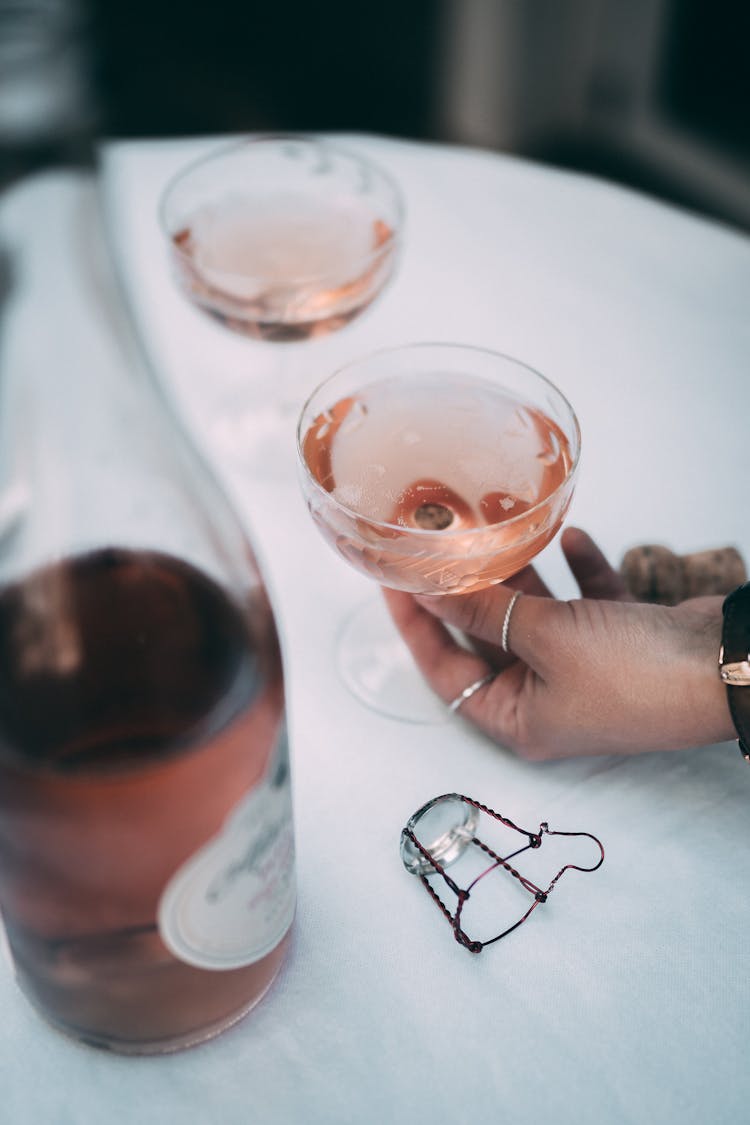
point(430, 533)
point(312, 141)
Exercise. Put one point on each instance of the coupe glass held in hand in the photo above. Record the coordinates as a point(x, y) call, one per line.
point(434, 469)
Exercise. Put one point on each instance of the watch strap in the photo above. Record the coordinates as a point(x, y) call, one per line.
point(734, 662)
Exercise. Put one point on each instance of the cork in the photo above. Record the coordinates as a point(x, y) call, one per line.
point(653, 573)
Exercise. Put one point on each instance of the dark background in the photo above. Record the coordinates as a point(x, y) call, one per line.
point(229, 66)
point(150, 68)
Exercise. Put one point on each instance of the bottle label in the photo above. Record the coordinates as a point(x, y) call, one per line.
point(232, 902)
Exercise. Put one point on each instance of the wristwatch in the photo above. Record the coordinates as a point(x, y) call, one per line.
point(734, 662)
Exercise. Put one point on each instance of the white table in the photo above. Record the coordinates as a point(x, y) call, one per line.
point(626, 998)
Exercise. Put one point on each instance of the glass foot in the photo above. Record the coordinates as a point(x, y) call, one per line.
point(378, 669)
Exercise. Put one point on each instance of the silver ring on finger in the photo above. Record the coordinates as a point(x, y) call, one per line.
point(506, 621)
point(467, 693)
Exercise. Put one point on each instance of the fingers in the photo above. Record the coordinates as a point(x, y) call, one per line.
point(544, 637)
point(528, 582)
point(534, 627)
point(591, 570)
point(449, 669)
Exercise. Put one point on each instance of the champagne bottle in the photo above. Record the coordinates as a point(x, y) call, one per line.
point(146, 842)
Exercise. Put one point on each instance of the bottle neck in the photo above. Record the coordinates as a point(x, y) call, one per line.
point(90, 454)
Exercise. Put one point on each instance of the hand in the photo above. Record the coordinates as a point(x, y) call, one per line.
point(598, 675)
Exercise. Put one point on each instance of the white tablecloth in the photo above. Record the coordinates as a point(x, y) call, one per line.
point(627, 997)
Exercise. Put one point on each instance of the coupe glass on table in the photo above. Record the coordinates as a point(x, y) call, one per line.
point(282, 239)
point(434, 469)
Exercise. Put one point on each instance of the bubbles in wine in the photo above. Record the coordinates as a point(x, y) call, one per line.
point(438, 454)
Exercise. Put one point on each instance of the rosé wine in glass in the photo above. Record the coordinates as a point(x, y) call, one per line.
point(438, 469)
point(434, 469)
point(282, 238)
